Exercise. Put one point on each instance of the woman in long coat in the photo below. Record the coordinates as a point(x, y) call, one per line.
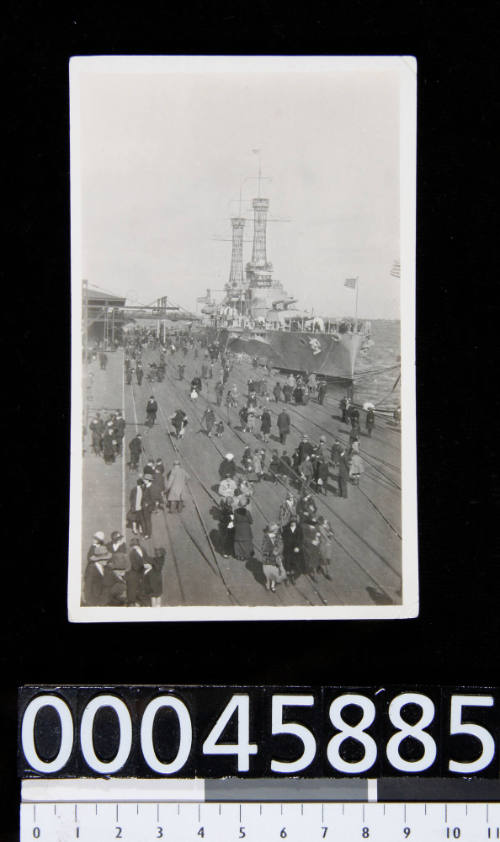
point(272, 557)
point(326, 535)
point(311, 546)
point(293, 550)
point(108, 446)
point(176, 485)
point(356, 468)
point(288, 510)
point(157, 489)
point(226, 528)
point(153, 579)
point(134, 577)
point(243, 538)
point(265, 425)
point(321, 473)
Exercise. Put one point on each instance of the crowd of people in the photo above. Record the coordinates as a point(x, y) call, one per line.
point(115, 576)
point(106, 435)
point(298, 542)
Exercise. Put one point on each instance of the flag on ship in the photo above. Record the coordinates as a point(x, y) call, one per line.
point(351, 283)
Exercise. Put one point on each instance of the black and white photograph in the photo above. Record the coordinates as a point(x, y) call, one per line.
point(243, 240)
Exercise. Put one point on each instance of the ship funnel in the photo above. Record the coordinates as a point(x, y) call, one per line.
point(260, 209)
point(236, 273)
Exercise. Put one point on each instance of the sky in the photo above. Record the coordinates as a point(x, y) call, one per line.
point(163, 155)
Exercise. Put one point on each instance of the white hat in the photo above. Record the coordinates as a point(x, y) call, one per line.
point(99, 536)
point(229, 456)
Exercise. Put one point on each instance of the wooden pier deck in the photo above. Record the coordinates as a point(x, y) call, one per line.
point(366, 566)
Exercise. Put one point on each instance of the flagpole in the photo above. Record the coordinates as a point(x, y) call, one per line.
point(356, 313)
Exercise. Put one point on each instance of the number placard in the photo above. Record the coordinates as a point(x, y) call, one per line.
point(259, 732)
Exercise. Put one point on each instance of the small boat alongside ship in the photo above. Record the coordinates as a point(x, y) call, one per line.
point(257, 316)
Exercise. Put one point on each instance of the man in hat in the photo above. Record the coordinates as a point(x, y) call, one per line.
point(370, 421)
point(98, 579)
point(134, 577)
point(335, 452)
point(179, 422)
point(180, 369)
point(136, 449)
point(243, 414)
point(321, 392)
point(306, 473)
point(227, 467)
point(139, 373)
point(283, 422)
point(277, 392)
point(208, 419)
point(322, 450)
point(108, 444)
point(293, 552)
point(175, 486)
point(265, 424)
point(275, 466)
point(134, 516)
point(321, 469)
point(118, 549)
point(219, 392)
point(343, 478)
point(98, 550)
point(151, 410)
point(305, 448)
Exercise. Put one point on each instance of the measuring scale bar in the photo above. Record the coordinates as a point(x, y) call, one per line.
point(260, 789)
point(223, 789)
point(140, 821)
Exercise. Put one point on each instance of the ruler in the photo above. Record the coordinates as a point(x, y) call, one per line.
point(54, 813)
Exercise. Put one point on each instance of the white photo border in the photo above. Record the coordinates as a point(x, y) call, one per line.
point(407, 65)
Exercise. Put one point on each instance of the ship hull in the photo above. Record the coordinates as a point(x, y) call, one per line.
point(319, 353)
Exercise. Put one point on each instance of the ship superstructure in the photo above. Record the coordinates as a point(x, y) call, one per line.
point(257, 314)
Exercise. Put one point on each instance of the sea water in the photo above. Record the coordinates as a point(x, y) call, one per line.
point(378, 367)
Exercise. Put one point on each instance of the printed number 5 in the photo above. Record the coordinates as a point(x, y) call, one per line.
point(457, 726)
point(300, 731)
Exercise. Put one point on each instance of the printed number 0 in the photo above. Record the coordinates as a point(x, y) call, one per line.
point(415, 731)
point(356, 732)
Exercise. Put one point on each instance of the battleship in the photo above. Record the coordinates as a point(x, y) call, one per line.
point(257, 316)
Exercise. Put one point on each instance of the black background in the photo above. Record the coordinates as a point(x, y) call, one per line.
point(455, 639)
